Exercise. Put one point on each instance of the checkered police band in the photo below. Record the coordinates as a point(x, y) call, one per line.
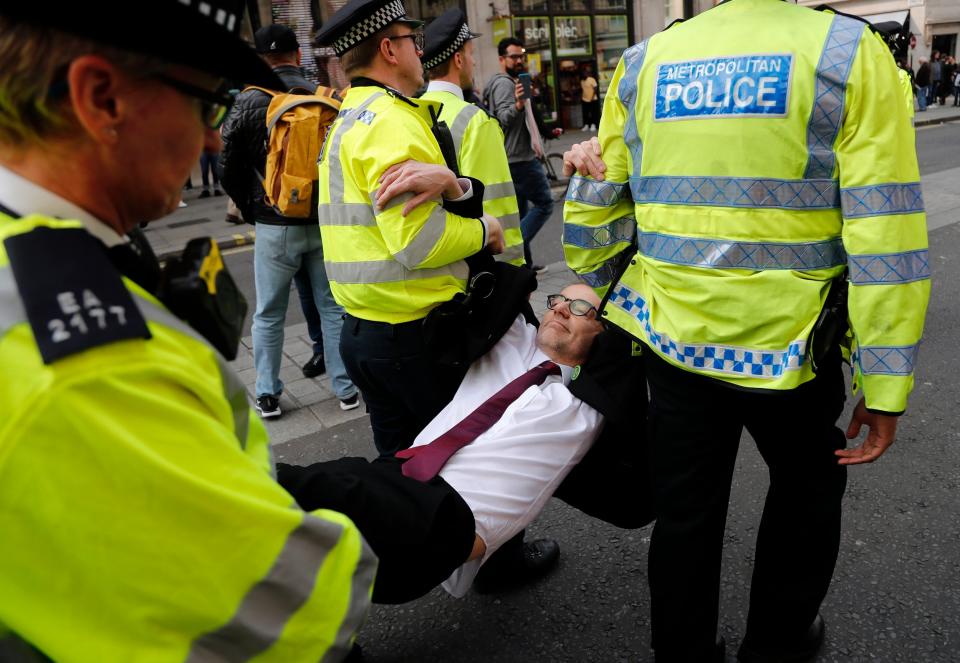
point(369, 26)
point(220, 16)
point(462, 37)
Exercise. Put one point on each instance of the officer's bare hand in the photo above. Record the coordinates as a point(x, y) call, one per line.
point(883, 430)
point(427, 181)
point(495, 241)
point(584, 158)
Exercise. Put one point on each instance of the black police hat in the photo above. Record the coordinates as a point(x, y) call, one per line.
point(275, 38)
point(359, 19)
point(200, 34)
point(444, 37)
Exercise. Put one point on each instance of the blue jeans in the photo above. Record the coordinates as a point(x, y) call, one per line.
point(922, 93)
point(310, 313)
point(530, 182)
point(278, 253)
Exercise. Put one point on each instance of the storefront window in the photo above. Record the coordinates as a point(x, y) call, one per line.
point(573, 35)
point(427, 9)
point(534, 32)
point(609, 5)
point(611, 43)
point(570, 6)
point(517, 6)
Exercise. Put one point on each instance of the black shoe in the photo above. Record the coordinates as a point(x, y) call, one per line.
point(268, 406)
point(315, 366)
point(538, 558)
point(355, 655)
point(235, 220)
point(217, 192)
point(204, 194)
point(540, 269)
point(800, 651)
point(350, 403)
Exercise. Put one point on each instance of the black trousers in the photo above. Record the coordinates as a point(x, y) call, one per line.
point(695, 424)
point(403, 387)
point(420, 531)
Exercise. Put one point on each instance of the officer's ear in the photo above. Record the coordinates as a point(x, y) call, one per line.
point(388, 50)
point(458, 59)
point(98, 96)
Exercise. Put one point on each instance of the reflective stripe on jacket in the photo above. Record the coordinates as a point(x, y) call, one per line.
point(756, 151)
point(140, 520)
point(478, 139)
point(384, 266)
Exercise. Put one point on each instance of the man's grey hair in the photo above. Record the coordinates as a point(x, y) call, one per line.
point(33, 67)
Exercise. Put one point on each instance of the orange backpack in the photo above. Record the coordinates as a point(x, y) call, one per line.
point(296, 127)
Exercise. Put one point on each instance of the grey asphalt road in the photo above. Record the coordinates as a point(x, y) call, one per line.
point(896, 590)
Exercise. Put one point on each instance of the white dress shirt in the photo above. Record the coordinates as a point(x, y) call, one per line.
point(24, 197)
point(444, 86)
point(510, 471)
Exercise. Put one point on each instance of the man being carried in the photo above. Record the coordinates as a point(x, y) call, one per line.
point(438, 516)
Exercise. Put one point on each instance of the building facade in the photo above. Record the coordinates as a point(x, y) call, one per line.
point(563, 38)
point(934, 25)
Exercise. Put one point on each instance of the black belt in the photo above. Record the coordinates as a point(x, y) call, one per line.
point(355, 324)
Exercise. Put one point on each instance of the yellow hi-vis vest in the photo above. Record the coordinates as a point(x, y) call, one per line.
point(139, 519)
point(478, 139)
point(383, 266)
point(754, 152)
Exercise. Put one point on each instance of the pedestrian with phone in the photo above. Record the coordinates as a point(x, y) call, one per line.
point(508, 96)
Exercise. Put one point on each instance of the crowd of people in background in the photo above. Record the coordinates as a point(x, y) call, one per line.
point(935, 81)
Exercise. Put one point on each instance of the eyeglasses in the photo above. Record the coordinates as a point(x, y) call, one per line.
point(214, 105)
point(577, 306)
point(516, 56)
point(419, 41)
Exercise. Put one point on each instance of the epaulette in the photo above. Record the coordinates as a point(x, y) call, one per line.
point(74, 297)
point(828, 8)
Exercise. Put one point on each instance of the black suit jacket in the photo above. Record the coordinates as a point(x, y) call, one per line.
point(612, 481)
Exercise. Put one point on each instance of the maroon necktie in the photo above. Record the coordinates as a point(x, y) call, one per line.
point(426, 461)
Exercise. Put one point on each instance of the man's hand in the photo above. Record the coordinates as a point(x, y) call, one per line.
point(426, 181)
point(495, 241)
point(883, 430)
point(518, 93)
point(584, 158)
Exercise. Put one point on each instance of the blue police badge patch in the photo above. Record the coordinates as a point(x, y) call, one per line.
point(741, 86)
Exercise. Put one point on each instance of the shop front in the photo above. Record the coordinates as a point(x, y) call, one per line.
point(566, 41)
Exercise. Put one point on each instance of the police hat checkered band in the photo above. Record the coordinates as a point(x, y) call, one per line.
point(390, 12)
point(219, 15)
point(462, 37)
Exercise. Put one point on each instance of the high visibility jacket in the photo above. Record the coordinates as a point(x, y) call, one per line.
point(478, 139)
point(906, 84)
point(755, 152)
point(139, 518)
point(383, 266)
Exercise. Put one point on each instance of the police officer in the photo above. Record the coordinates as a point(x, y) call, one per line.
point(140, 516)
point(391, 259)
point(449, 59)
point(766, 155)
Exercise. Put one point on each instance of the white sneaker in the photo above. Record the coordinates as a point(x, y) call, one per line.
point(586, 127)
point(350, 403)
